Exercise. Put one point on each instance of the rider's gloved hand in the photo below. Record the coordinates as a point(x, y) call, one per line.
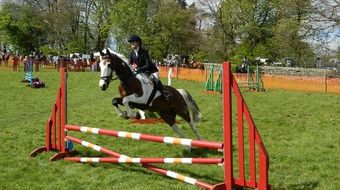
point(136, 71)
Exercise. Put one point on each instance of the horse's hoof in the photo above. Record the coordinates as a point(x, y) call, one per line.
point(138, 116)
point(115, 102)
point(124, 115)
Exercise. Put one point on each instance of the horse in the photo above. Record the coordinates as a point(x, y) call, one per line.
point(138, 91)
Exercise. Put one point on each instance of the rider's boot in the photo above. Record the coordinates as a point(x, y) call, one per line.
point(165, 96)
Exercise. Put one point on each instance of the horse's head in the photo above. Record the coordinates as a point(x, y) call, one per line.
point(111, 62)
point(105, 71)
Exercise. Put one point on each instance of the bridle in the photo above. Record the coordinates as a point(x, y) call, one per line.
point(109, 77)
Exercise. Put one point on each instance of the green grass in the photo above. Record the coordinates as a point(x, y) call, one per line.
point(300, 130)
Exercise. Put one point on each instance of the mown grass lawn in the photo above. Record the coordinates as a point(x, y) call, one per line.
point(301, 132)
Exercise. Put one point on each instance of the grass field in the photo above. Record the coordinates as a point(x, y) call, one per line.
point(301, 132)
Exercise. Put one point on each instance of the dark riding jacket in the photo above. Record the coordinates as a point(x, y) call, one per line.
point(143, 61)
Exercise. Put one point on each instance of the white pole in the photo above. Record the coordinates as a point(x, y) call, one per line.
point(169, 76)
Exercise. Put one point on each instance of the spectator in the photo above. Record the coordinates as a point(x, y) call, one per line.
point(25, 62)
point(15, 63)
point(36, 62)
point(1, 57)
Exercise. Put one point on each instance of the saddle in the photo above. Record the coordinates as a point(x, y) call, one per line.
point(157, 86)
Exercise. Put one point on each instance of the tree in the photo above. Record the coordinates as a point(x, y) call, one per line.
point(128, 17)
point(292, 31)
point(165, 26)
point(327, 11)
point(102, 21)
point(174, 29)
point(22, 27)
point(225, 25)
point(58, 26)
point(260, 28)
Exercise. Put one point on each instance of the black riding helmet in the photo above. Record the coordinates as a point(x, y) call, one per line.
point(135, 38)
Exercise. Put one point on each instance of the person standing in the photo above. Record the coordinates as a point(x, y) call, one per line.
point(15, 63)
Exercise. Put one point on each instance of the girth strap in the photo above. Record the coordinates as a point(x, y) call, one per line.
point(152, 95)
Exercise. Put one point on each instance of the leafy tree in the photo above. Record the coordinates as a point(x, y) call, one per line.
point(273, 29)
point(174, 29)
point(128, 17)
point(22, 27)
point(260, 28)
point(165, 26)
point(292, 31)
point(63, 26)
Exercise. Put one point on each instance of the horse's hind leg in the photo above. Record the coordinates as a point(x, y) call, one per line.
point(170, 119)
point(192, 124)
point(180, 134)
point(195, 130)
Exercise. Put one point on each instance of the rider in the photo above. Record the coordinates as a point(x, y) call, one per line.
point(140, 60)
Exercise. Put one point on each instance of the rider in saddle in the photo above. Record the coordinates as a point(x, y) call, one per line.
point(140, 60)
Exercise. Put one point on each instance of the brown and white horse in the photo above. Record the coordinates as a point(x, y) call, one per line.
point(136, 89)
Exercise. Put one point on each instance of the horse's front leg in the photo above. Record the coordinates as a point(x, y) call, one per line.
point(116, 102)
point(126, 101)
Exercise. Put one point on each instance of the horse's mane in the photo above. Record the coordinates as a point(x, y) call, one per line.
point(122, 57)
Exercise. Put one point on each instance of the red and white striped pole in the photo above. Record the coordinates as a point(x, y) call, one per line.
point(146, 160)
point(95, 147)
point(178, 176)
point(150, 167)
point(147, 137)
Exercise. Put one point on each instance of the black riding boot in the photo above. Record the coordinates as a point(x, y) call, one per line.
point(161, 89)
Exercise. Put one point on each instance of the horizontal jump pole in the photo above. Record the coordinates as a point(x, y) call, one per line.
point(178, 176)
point(146, 160)
point(147, 137)
point(150, 167)
point(126, 159)
point(95, 147)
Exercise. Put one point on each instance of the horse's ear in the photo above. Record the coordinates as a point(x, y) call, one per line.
point(101, 53)
point(108, 52)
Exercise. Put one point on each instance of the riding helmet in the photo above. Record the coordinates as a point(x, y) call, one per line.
point(135, 38)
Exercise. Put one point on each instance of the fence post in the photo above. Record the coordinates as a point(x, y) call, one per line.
point(227, 127)
point(326, 83)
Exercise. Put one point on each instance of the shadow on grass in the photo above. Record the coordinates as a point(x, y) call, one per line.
point(201, 152)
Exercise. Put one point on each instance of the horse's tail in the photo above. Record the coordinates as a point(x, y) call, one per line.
point(195, 110)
